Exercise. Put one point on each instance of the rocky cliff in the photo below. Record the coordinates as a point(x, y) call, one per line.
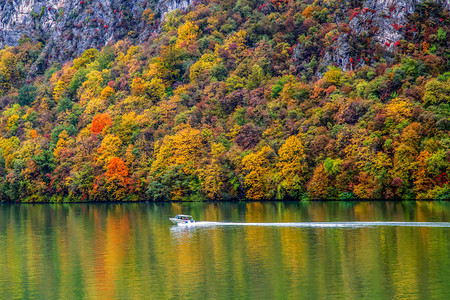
point(385, 22)
point(68, 27)
point(376, 24)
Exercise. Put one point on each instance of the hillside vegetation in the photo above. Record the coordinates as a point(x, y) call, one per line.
point(234, 100)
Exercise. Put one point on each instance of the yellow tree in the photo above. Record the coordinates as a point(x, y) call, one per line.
point(405, 157)
point(92, 86)
point(436, 92)
point(8, 71)
point(399, 109)
point(62, 82)
point(94, 106)
point(107, 93)
point(187, 34)
point(175, 170)
point(63, 141)
point(422, 177)
point(183, 147)
point(12, 121)
point(237, 43)
point(291, 166)
point(87, 57)
point(109, 148)
point(403, 166)
point(204, 64)
point(333, 76)
point(212, 174)
point(153, 89)
point(8, 149)
point(411, 136)
point(127, 127)
point(309, 10)
point(212, 181)
point(258, 177)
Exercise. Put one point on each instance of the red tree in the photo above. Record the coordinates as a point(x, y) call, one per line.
point(99, 122)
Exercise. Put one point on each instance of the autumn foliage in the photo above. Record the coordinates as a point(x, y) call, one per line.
point(99, 122)
point(117, 170)
point(233, 100)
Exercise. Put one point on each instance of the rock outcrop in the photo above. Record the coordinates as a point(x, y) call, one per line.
point(384, 22)
point(69, 27)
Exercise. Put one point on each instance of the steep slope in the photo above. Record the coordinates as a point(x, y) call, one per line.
point(235, 100)
point(385, 23)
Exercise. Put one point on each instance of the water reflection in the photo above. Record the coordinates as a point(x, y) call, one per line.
point(181, 233)
point(132, 251)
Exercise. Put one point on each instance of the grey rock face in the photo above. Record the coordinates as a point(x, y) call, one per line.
point(387, 17)
point(69, 27)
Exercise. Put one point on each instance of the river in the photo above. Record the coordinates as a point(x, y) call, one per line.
point(131, 251)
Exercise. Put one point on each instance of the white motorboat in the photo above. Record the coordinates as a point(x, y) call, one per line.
point(182, 219)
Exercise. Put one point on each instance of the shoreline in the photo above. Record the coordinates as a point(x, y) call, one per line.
point(230, 201)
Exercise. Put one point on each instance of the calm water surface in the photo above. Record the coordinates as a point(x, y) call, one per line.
point(131, 251)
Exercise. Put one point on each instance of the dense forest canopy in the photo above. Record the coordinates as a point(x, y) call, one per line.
point(234, 100)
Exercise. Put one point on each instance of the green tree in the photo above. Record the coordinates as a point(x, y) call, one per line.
point(26, 95)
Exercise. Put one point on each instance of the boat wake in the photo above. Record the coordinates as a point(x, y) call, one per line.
point(321, 224)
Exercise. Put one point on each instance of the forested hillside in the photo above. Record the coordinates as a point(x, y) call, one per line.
point(259, 100)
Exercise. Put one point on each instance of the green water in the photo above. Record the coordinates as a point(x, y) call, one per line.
point(131, 251)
